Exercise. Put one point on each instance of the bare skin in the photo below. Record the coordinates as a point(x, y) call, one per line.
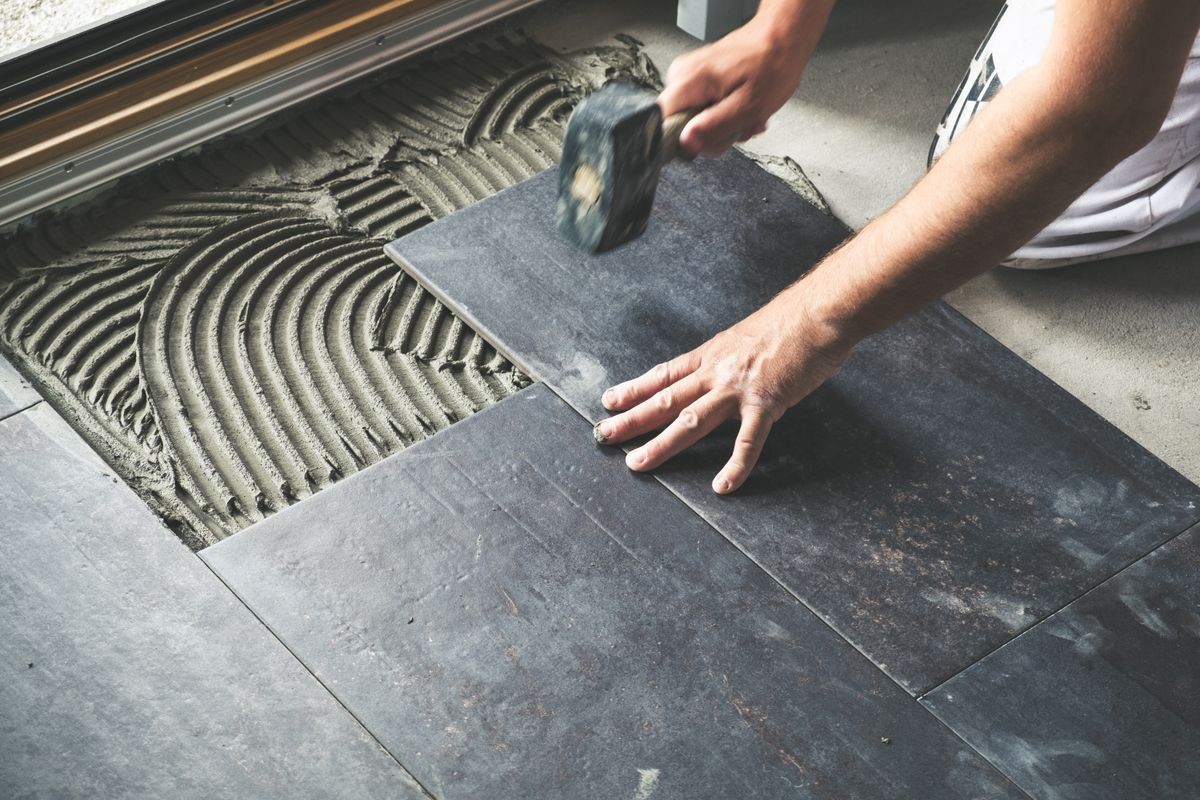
point(746, 77)
point(1100, 93)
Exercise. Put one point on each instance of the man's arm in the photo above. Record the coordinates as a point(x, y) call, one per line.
point(1100, 93)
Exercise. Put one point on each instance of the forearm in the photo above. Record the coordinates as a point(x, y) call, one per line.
point(796, 24)
point(1009, 175)
point(1037, 146)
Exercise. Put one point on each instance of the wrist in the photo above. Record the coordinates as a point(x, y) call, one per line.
point(782, 24)
point(800, 321)
point(831, 316)
point(825, 333)
point(774, 28)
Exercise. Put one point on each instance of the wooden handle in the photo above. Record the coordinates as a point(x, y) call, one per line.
point(672, 127)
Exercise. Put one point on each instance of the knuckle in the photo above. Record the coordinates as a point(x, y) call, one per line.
point(704, 128)
point(682, 65)
point(689, 419)
point(665, 399)
point(760, 399)
point(697, 66)
point(661, 371)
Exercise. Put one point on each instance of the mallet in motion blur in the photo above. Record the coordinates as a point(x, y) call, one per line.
point(616, 144)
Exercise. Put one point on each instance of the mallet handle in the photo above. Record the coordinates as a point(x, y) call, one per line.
point(672, 127)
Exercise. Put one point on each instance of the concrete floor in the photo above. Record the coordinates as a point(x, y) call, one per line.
point(1123, 336)
point(24, 23)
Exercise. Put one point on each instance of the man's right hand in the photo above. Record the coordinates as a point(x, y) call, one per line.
point(744, 78)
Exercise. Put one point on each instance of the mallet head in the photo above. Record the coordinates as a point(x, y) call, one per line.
point(612, 156)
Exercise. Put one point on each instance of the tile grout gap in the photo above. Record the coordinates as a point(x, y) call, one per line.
point(910, 695)
point(748, 556)
point(999, 769)
point(1095, 587)
point(21, 410)
point(271, 631)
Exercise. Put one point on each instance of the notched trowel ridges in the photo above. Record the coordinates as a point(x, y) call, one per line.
point(224, 327)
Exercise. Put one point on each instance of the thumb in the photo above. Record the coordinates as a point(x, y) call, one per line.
point(715, 129)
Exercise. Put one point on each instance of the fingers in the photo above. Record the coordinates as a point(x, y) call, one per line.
point(653, 413)
point(750, 440)
point(696, 421)
point(718, 127)
point(689, 85)
point(693, 424)
point(630, 393)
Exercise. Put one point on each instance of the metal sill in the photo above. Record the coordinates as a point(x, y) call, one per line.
point(72, 175)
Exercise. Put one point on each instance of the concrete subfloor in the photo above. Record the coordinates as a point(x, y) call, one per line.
point(1123, 336)
point(26, 23)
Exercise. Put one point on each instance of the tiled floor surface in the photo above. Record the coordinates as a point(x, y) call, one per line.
point(928, 574)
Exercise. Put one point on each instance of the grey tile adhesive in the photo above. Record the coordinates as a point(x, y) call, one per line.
point(225, 329)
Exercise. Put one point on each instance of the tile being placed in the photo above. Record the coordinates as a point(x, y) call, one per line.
point(127, 669)
point(932, 501)
point(514, 614)
point(725, 236)
point(16, 394)
point(1102, 700)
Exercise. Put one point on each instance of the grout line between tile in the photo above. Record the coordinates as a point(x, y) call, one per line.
point(915, 698)
point(20, 410)
point(747, 554)
point(1096, 587)
point(424, 790)
point(1000, 770)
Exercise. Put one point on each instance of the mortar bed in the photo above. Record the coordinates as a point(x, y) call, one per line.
point(224, 328)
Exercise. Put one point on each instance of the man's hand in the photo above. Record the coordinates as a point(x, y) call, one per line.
point(754, 371)
point(744, 78)
point(1101, 91)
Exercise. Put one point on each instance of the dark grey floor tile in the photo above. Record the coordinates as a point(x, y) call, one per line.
point(724, 238)
point(932, 501)
point(128, 670)
point(514, 614)
point(1102, 700)
point(16, 394)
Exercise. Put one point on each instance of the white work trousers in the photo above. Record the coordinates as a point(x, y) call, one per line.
point(1149, 201)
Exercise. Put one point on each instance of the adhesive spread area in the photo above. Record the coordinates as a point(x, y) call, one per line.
point(224, 327)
